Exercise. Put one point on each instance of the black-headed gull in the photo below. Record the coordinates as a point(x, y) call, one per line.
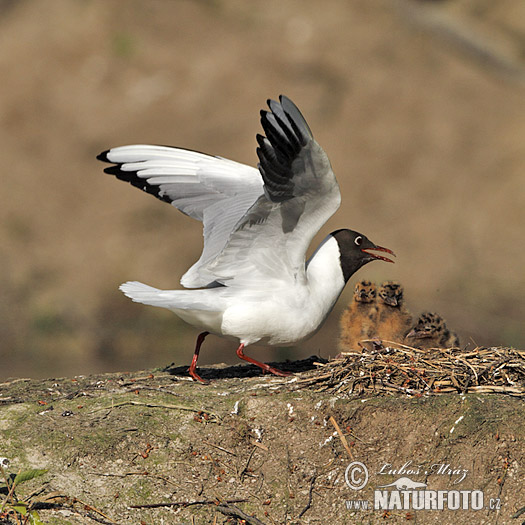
point(253, 282)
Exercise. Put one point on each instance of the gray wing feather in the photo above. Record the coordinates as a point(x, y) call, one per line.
point(300, 194)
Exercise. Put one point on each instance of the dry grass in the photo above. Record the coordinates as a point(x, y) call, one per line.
point(400, 368)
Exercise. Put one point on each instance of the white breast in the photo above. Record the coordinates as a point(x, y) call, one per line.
point(291, 313)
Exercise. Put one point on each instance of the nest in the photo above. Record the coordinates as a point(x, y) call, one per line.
point(399, 368)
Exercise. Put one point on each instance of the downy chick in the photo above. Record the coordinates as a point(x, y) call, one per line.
point(393, 320)
point(431, 331)
point(359, 319)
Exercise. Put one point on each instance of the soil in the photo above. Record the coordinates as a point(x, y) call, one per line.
point(154, 447)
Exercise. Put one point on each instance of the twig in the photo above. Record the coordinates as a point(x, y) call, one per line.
point(518, 513)
point(154, 405)
point(260, 445)
point(471, 367)
point(235, 512)
point(11, 489)
point(19, 380)
point(310, 495)
point(497, 388)
point(401, 345)
point(125, 474)
point(220, 448)
point(400, 388)
point(245, 469)
point(87, 506)
point(151, 388)
point(341, 436)
point(182, 504)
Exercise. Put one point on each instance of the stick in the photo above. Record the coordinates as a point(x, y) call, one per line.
point(341, 437)
point(518, 513)
point(235, 512)
point(245, 469)
point(182, 504)
point(220, 448)
point(147, 474)
point(154, 405)
point(260, 445)
point(310, 493)
point(11, 489)
point(417, 350)
point(90, 507)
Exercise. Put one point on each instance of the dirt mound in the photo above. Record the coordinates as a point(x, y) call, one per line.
point(154, 447)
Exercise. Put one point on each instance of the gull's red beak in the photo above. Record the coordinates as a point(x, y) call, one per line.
point(379, 249)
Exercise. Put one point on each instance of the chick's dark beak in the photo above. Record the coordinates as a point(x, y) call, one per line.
point(418, 334)
point(368, 251)
point(391, 301)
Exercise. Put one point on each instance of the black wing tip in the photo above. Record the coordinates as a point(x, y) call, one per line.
point(142, 184)
point(104, 156)
point(113, 170)
point(132, 177)
point(286, 134)
point(260, 139)
point(294, 119)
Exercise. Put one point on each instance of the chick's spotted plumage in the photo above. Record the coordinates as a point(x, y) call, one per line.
point(358, 322)
point(431, 331)
point(393, 318)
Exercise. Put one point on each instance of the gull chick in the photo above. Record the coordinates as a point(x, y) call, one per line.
point(393, 319)
point(251, 282)
point(359, 320)
point(431, 331)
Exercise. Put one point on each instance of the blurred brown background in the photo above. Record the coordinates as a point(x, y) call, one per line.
point(420, 106)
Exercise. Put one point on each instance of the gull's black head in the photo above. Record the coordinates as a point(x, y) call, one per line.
point(356, 250)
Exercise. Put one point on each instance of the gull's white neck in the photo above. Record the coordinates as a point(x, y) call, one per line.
point(325, 276)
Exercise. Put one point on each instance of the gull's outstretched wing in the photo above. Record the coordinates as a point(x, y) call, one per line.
point(214, 190)
point(300, 193)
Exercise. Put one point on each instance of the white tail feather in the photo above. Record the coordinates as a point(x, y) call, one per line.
point(142, 293)
point(206, 299)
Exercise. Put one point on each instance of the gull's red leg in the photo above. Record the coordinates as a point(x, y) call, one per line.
point(193, 366)
point(264, 366)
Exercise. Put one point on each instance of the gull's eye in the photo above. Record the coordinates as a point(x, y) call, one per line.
point(358, 240)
